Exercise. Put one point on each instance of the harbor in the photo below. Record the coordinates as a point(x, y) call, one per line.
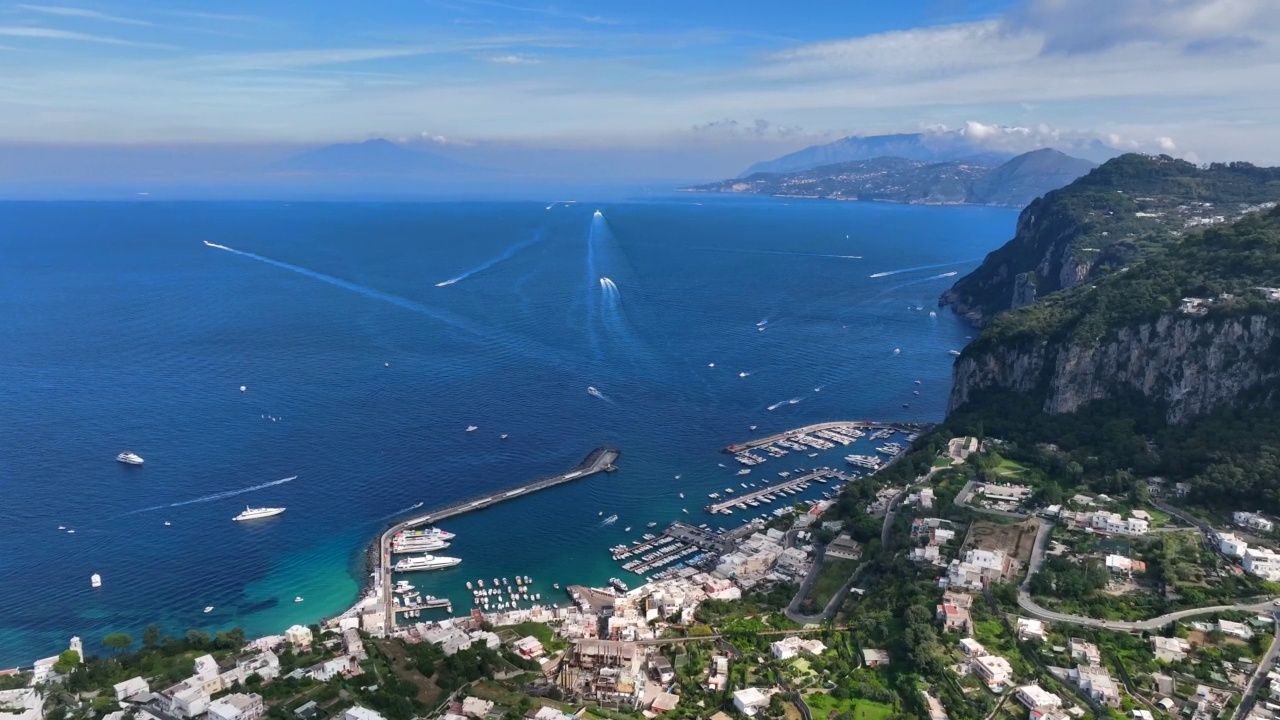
point(911, 428)
point(599, 460)
point(780, 490)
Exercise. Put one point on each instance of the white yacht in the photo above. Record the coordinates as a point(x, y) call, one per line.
point(426, 562)
point(298, 599)
point(428, 532)
point(252, 513)
point(129, 458)
point(472, 428)
point(418, 544)
point(95, 580)
point(209, 609)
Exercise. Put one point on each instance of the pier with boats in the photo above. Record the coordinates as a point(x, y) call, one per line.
point(779, 490)
point(404, 533)
point(910, 428)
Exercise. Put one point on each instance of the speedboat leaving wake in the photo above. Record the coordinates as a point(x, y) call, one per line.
point(593, 391)
point(777, 405)
point(609, 520)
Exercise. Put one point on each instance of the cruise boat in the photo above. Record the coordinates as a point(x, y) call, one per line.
point(425, 562)
point(430, 532)
point(256, 513)
point(472, 428)
point(422, 544)
point(129, 458)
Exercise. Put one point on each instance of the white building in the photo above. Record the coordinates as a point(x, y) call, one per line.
point(186, 699)
point(1169, 649)
point(355, 712)
point(1252, 521)
point(129, 688)
point(1029, 629)
point(1084, 650)
point(298, 636)
point(238, 706)
point(791, 646)
point(1114, 524)
point(21, 704)
point(972, 647)
point(1230, 545)
point(475, 707)
point(751, 700)
point(977, 568)
point(1034, 696)
point(1235, 629)
point(1262, 562)
point(1005, 493)
point(1097, 682)
point(993, 669)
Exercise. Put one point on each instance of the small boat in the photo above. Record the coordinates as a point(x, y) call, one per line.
point(62, 527)
point(954, 352)
point(129, 458)
point(95, 580)
point(711, 364)
point(744, 471)
point(897, 351)
point(813, 454)
point(626, 529)
point(502, 436)
point(677, 477)
point(472, 428)
point(753, 427)
point(682, 495)
point(209, 609)
point(386, 364)
point(652, 524)
point(744, 374)
point(298, 599)
point(71, 532)
point(243, 388)
point(555, 585)
point(601, 513)
point(166, 523)
point(917, 382)
point(686, 510)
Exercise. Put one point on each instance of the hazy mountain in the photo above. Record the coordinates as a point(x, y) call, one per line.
point(931, 147)
point(974, 181)
point(371, 157)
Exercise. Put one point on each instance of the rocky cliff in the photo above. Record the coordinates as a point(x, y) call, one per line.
point(1186, 364)
point(1120, 212)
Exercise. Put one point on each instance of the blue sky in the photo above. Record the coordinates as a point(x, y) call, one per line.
point(735, 80)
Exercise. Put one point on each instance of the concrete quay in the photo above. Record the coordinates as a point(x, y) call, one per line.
point(599, 460)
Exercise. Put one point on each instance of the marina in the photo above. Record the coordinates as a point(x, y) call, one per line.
point(784, 487)
point(862, 425)
point(599, 460)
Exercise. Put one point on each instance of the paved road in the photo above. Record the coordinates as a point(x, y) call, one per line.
point(1036, 611)
point(793, 610)
point(1247, 699)
point(889, 515)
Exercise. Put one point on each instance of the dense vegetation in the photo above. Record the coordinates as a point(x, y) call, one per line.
point(1233, 259)
point(1120, 212)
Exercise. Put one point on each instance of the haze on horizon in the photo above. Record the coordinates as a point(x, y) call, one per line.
point(95, 92)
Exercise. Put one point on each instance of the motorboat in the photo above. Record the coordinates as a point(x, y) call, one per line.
point(209, 609)
point(129, 458)
point(252, 513)
point(425, 562)
point(298, 599)
point(472, 428)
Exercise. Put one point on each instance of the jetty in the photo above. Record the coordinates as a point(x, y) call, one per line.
point(794, 482)
point(907, 427)
point(599, 460)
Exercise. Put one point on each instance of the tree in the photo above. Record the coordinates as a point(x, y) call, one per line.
point(117, 642)
point(151, 637)
point(67, 662)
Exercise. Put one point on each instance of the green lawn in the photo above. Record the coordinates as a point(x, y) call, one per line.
point(1010, 468)
point(834, 574)
point(941, 462)
point(822, 704)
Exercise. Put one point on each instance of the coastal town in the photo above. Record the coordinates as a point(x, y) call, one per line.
point(1044, 606)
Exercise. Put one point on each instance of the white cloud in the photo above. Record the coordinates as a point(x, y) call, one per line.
point(42, 33)
point(1084, 26)
point(514, 60)
point(81, 13)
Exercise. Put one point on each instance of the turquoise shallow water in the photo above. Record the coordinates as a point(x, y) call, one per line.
point(123, 330)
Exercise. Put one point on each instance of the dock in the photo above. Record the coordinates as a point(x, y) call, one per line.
point(599, 460)
point(733, 501)
point(907, 427)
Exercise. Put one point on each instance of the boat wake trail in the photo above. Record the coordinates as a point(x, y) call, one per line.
point(777, 252)
point(781, 403)
point(506, 255)
point(401, 511)
point(596, 393)
point(887, 273)
point(561, 202)
point(458, 323)
point(216, 496)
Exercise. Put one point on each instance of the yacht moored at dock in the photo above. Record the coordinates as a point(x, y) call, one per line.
point(425, 562)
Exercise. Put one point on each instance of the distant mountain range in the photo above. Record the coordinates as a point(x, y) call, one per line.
point(371, 157)
point(929, 147)
point(977, 180)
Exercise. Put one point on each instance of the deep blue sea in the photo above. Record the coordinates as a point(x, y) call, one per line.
point(120, 329)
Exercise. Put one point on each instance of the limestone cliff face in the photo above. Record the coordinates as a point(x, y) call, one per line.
point(1190, 365)
point(1037, 261)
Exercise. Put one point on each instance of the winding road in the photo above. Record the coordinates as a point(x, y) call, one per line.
point(1036, 611)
